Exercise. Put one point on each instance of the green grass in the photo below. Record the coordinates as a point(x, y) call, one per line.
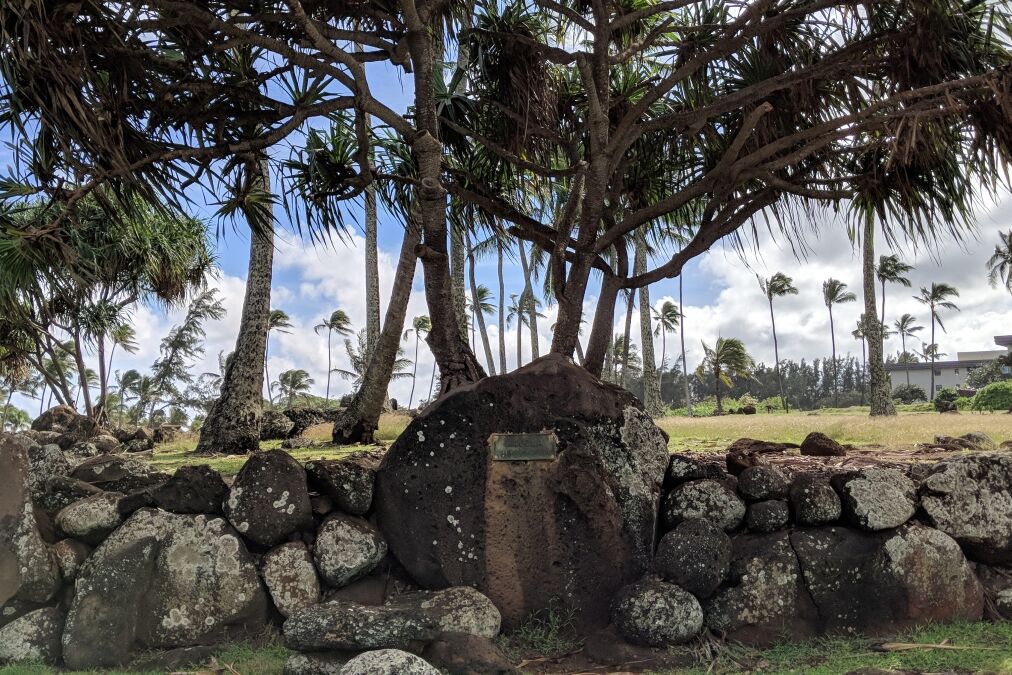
point(546, 633)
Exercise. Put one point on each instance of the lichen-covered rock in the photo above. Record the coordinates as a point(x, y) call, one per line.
point(656, 614)
point(32, 637)
point(814, 501)
point(348, 483)
point(767, 516)
point(28, 570)
point(695, 555)
point(275, 426)
point(464, 610)
point(759, 483)
point(59, 492)
point(576, 526)
point(70, 556)
point(818, 444)
point(970, 499)
point(192, 489)
point(683, 468)
point(269, 499)
point(463, 654)
point(44, 461)
point(975, 441)
point(188, 580)
point(388, 662)
point(105, 443)
point(997, 583)
point(290, 577)
point(708, 500)
point(83, 450)
point(876, 498)
point(92, 519)
point(346, 549)
point(316, 663)
point(56, 419)
point(747, 452)
point(116, 473)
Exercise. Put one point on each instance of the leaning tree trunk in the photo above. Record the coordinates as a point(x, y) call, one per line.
point(233, 422)
point(881, 403)
point(776, 356)
point(372, 287)
point(479, 315)
point(502, 311)
point(626, 337)
point(599, 343)
point(358, 422)
point(458, 256)
point(651, 384)
point(530, 305)
point(832, 336)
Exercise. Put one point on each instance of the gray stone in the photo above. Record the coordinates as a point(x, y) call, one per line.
point(657, 614)
point(707, 500)
point(188, 579)
point(346, 549)
point(32, 637)
point(59, 492)
point(348, 483)
point(70, 555)
point(767, 516)
point(275, 426)
point(388, 662)
point(316, 663)
point(92, 519)
point(814, 501)
point(83, 450)
point(45, 461)
point(192, 489)
point(105, 443)
point(117, 473)
point(269, 499)
point(290, 577)
point(759, 483)
point(56, 419)
point(875, 498)
point(683, 468)
point(695, 555)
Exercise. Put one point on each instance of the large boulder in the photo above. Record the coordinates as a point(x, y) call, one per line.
point(464, 654)
point(290, 577)
point(708, 500)
point(767, 516)
point(747, 452)
point(59, 492)
point(876, 498)
point(162, 580)
point(577, 526)
point(56, 419)
point(683, 468)
point(656, 614)
point(818, 444)
point(269, 499)
point(192, 489)
point(348, 482)
point(970, 499)
point(28, 569)
point(316, 663)
point(695, 555)
point(117, 473)
point(304, 417)
point(346, 549)
point(92, 519)
point(388, 662)
point(44, 461)
point(814, 501)
point(275, 426)
point(32, 637)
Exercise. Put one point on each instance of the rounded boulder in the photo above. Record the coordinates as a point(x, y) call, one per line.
point(388, 662)
point(269, 499)
point(657, 614)
point(696, 555)
point(707, 500)
point(346, 549)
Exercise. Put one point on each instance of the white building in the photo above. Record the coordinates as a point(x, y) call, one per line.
point(947, 373)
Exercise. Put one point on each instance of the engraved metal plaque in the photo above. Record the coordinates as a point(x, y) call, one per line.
point(523, 447)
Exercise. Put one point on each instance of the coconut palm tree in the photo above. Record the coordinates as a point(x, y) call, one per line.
point(338, 322)
point(777, 286)
point(727, 359)
point(906, 326)
point(834, 292)
point(937, 298)
point(419, 325)
point(292, 383)
point(859, 334)
point(667, 322)
point(522, 308)
point(480, 305)
point(359, 360)
point(891, 269)
point(278, 321)
point(999, 265)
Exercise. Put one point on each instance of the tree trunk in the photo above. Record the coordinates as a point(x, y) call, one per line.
point(502, 311)
point(776, 356)
point(458, 255)
point(627, 337)
point(883, 308)
point(372, 287)
point(414, 372)
point(529, 303)
point(479, 315)
point(933, 350)
point(103, 378)
point(267, 375)
point(651, 385)
point(330, 367)
point(579, 352)
point(567, 325)
point(82, 374)
point(881, 402)
point(681, 334)
point(3, 419)
point(232, 425)
point(609, 356)
point(716, 378)
point(601, 330)
point(906, 362)
point(832, 337)
point(358, 422)
point(520, 334)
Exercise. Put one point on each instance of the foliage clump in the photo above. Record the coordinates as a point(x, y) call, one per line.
point(995, 396)
point(909, 393)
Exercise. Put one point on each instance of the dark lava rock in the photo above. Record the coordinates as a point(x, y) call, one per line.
point(269, 499)
point(758, 483)
point(814, 501)
point(746, 452)
point(684, 468)
point(317, 663)
point(91, 519)
point(876, 498)
point(303, 418)
point(656, 614)
point(347, 482)
point(707, 500)
point(463, 654)
point(59, 492)
point(817, 444)
point(767, 516)
point(275, 426)
point(33, 637)
point(117, 473)
point(192, 489)
point(577, 526)
point(347, 548)
point(695, 555)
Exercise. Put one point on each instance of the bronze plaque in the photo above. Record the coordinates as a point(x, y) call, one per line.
point(523, 447)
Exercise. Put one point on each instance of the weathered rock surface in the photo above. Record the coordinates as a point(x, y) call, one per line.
point(59, 492)
point(997, 583)
point(316, 663)
point(92, 519)
point(969, 498)
point(656, 614)
point(767, 516)
point(695, 555)
point(818, 444)
point(275, 426)
point(876, 498)
point(388, 662)
point(683, 468)
point(83, 450)
point(578, 526)
point(346, 549)
point(105, 443)
point(32, 637)
point(975, 441)
point(192, 489)
point(746, 452)
point(348, 483)
point(70, 556)
point(186, 580)
point(269, 499)
point(759, 483)
point(463, 654)
point(56, 419)
point(28, 570)
point(814, 501)
point(116, 473)
point(290, 577)
point(44, 461)
point(708, 500)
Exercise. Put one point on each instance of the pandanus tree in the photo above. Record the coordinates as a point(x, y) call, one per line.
point(999, 265)
point(834, 292)
point(726, 359)
point(338, 322)
point(777, 286)
point(936, 298)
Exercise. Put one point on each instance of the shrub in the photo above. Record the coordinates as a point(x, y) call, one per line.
point(964, 403)
point(909, 393)
point(773, 402)
point(945, 400)
point(995, 396)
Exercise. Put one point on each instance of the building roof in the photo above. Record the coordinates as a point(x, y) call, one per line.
point(926, 365)
point(1003, 340)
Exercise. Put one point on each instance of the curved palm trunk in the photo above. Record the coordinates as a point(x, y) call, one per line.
point(627, 335)
point(414, 372)
point(479, 315)
point(233, 422)
point(832, 336)
point(330, 366)
point(933, 350)
point(716, 378)
point(906, 364)
point(372, 287)
point(651, 385)
point(878, 381)
point(681, 334)
point(531, 306)
point(267, 375)
point(358, 422)
point(776, 356)
point(502, 310)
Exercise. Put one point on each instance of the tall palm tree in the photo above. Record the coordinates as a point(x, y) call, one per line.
point(278, 321)
point(419, 325)
point(891, 270)
point(727, 359)
point(338, 322)
point(937, 298)
point(480, 305)
point(999, 265)
point(651, 378)
point(358, 358)
point(667, 322)
point(681, 335)
point(292, 383)
point(906, 326)
point(834, 292)
point(777, 286)
point(859, 334)
point(523, 308)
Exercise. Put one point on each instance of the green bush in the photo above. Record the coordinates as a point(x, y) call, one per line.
point(996, 396)
point(964, 403)
point(773, 402)
point(945, 400)
point(909, 393)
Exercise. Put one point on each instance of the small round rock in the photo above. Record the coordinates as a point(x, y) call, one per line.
point(767, 516)
point(759, 483)
point(814, 501)
point(654, 613)
point(388, 662)
point(708, 500)
point(696, 555)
